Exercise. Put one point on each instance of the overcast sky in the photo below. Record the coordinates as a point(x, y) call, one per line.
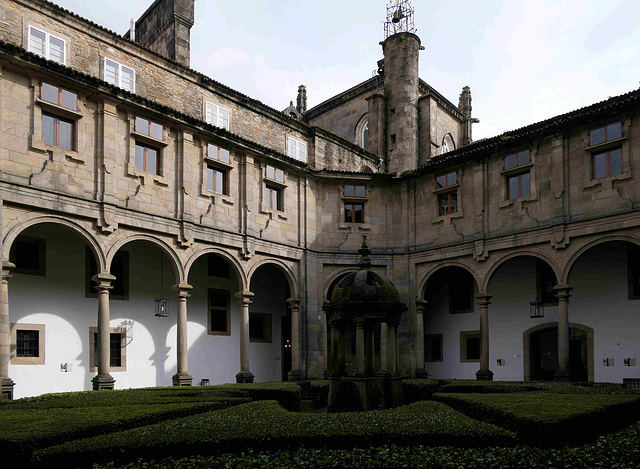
point(525, 61)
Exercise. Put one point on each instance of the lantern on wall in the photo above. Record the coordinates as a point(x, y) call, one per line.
point(162, 303)
point(536, 309)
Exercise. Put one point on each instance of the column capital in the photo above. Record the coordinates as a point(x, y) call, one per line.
point(421, 305)
point(7, 267)
point(244, 297)
point(484, 299)
point(562, 290)
point(103, 281)
point(294, 302)
point(359, 323)
point(182, 289)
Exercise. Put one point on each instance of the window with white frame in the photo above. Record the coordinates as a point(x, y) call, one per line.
point(297, 149)
point(47, 45)
point(217, 115)
point(119, 75)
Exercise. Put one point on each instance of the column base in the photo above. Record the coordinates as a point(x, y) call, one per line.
point(244, 377)
point(294, 375)
point(484, 375)
point(182, 379)
point(562, 375)
point(101, 382)
point(7, 389)
point(421, 373)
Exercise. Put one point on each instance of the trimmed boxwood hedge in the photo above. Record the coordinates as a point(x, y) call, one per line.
point(548, 418)
point(265, 425)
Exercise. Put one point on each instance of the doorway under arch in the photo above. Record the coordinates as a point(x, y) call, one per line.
point(540, 347)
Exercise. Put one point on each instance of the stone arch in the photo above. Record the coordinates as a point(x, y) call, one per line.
point(427, 277)
point(335, 276)
point(507, 257)
point(526, 346)
point(159, 243)
point(241, 276)
point(448, 143)
point(591, 244)
point(22, 223)
point(289, 274)
point(359, 129)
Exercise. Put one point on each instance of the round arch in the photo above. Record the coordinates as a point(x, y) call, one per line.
point(160, 244)
point(22, 223)
point(241, 276)
point(292, 278)
point(337, 275)
point(507, 257)
point(428, 276)
point(591, 244)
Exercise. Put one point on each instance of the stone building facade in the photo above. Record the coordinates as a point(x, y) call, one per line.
point(128, 179)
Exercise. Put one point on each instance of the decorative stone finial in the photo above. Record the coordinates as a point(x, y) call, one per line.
point(364, 251)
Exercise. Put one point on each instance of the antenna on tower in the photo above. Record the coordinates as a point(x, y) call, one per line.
point(399, 18)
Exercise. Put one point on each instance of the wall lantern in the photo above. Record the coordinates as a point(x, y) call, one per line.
point(162, 303)
point(536, 309)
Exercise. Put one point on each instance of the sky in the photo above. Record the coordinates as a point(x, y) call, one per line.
point(525, 60)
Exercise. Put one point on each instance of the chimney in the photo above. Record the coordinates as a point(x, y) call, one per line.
point(301, 104)
point(165, 28)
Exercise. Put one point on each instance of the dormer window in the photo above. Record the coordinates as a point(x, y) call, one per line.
point(46, 45)
point(119, 75)
point(297, 149)
point(217, 115)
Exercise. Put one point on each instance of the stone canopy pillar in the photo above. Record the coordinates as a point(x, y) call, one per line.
point(244, 376)
point(384, 331)
point(360, 355)
point(296, 373)
point(562, 292)
point(103, 380)
point(421, 308)
point(392, 348)
point(484, 373)
point(5, 332)
point(182, 377)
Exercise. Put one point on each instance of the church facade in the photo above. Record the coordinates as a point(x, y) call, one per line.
point(159, 227)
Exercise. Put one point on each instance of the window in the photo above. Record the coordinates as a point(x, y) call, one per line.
point(297, 149)
point(216, 173)
point(469, 346)
point(216, 153)
point(46, 45)
point(216, 180)
point(219, 319)
point(545, 281)
point(274, 187)
point(119, 75)
point(119, 269)
point(633, 269)
point(117, 343)
point(27, 344)
point(365, 136)
point(447, 144)
point(517, 159)
point(433, 347)
point(353, 213)
point(259, 327)
point(605, 134)
point(217, 115)
point(447, 201)
point(58, 96)
point(29, 256)
point(518, 185)
point(354, 191)
point(57, 131)
point(149, 128)
point(147, 159)
point(607, 163)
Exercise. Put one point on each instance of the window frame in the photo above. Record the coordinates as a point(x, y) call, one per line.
point(607, 156)
point(297, 143)
point(606, 137)
point(118, 77)
point(464, 347)
point(217, 115)
point(226, 311)
point(14, 358)
point(47, 45)
point(353, 212)
point(446, 188)
point(274, 185)
point(56, 131)
point(427, 338)
point(93, 349)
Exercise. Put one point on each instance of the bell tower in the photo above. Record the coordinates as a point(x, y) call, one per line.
point(401, 48)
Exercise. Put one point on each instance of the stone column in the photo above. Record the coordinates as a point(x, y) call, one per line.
point(370, 349)
point(182, 377)
point(360, 358)
point(325, 346)
point(5, 332)
point(383, 348)
point(484, 373)
point(103, 380)
point(296, 373)
point(392, 359)
point(245, 376)
point(562, 292)
point(421, 308)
